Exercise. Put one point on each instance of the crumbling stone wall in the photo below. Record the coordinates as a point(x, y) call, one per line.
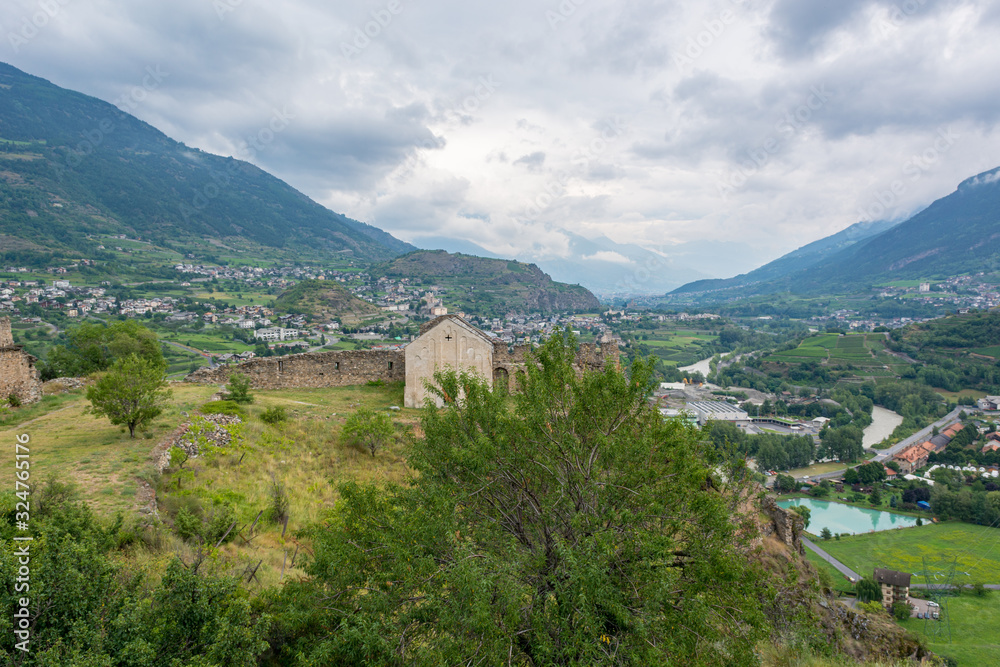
point(785, 524)
point(311, 370)
point(18, 375)
point(346, 368)
point(509, 361)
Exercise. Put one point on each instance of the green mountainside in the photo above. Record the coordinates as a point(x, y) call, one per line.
point(323, 300)
point(957, 234)
point(72, 166)
point(479, 285)
point(797, 260)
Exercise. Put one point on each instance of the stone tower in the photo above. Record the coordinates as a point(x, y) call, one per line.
point(18, 375)
point(6, 337)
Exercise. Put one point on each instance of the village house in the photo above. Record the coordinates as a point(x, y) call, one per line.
point(895, 586)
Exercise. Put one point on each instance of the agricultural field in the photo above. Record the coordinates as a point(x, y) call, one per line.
point(676, 347)
point(974, 547)
point(242, 297)
point(993, 351)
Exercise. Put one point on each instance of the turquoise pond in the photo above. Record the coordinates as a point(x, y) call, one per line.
point(847, 519)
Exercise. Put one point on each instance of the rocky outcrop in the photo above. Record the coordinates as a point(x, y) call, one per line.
point(786, 525)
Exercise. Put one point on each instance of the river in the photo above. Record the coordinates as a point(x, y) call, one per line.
point(702, 367)
point(884, 422)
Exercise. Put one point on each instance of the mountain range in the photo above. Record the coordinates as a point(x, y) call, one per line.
point(957, 234)
point(73, 166)
point(609, 268)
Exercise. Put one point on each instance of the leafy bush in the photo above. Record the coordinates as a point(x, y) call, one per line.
point(225, 407)
point(238, 389)
point(222, 518)
point(871, 607)
point(367, 429)
point(274, 415)
point(277, 512)
point(901, 610)
point(13, 400)
point(186, 524)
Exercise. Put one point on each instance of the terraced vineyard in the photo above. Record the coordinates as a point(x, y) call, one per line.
point(856, 357)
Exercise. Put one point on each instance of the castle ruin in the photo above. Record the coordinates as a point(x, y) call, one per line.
point(18, 375)
point(445, 342)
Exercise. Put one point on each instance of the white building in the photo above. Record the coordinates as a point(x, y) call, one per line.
point(276, 333)
point(706, 410)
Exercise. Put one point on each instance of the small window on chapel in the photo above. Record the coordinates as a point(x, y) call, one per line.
point(390, 365)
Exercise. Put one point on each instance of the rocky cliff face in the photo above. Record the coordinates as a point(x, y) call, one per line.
point(786, 525)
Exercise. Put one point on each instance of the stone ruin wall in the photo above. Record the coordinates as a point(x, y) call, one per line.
point(312, 370)
point(18, 375)
point(508, 361)
point(346, 368)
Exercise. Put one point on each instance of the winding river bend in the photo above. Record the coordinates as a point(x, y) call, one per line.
point(702, 367)
point(884, 422)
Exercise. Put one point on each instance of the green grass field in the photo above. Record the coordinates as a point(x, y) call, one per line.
point(975, 630)
point(977, 549)
point(304, 454)
point(993, 351)
point(817, 469)
point(100, 458)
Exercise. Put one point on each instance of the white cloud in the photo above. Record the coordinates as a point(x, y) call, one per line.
point(609, 256)
point(488, 122)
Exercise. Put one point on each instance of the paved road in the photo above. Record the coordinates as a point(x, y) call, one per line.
point(921, 435)
point(992, 587)
point(843, 569)
point(885, 454)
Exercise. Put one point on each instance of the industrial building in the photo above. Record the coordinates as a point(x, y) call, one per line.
point(718, 410)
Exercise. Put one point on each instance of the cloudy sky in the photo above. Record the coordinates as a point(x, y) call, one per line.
point(769, 123)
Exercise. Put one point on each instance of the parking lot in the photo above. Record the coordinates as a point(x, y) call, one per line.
point(922, 607)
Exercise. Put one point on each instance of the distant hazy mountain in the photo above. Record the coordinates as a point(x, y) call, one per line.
point(606, 267)
point(797, 260)
point(72, 165)
point(957, 234)
point(453, 245)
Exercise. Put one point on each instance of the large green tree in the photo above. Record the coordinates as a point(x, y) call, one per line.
point(92, 347)
point(130, 394)
point(568, 523)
